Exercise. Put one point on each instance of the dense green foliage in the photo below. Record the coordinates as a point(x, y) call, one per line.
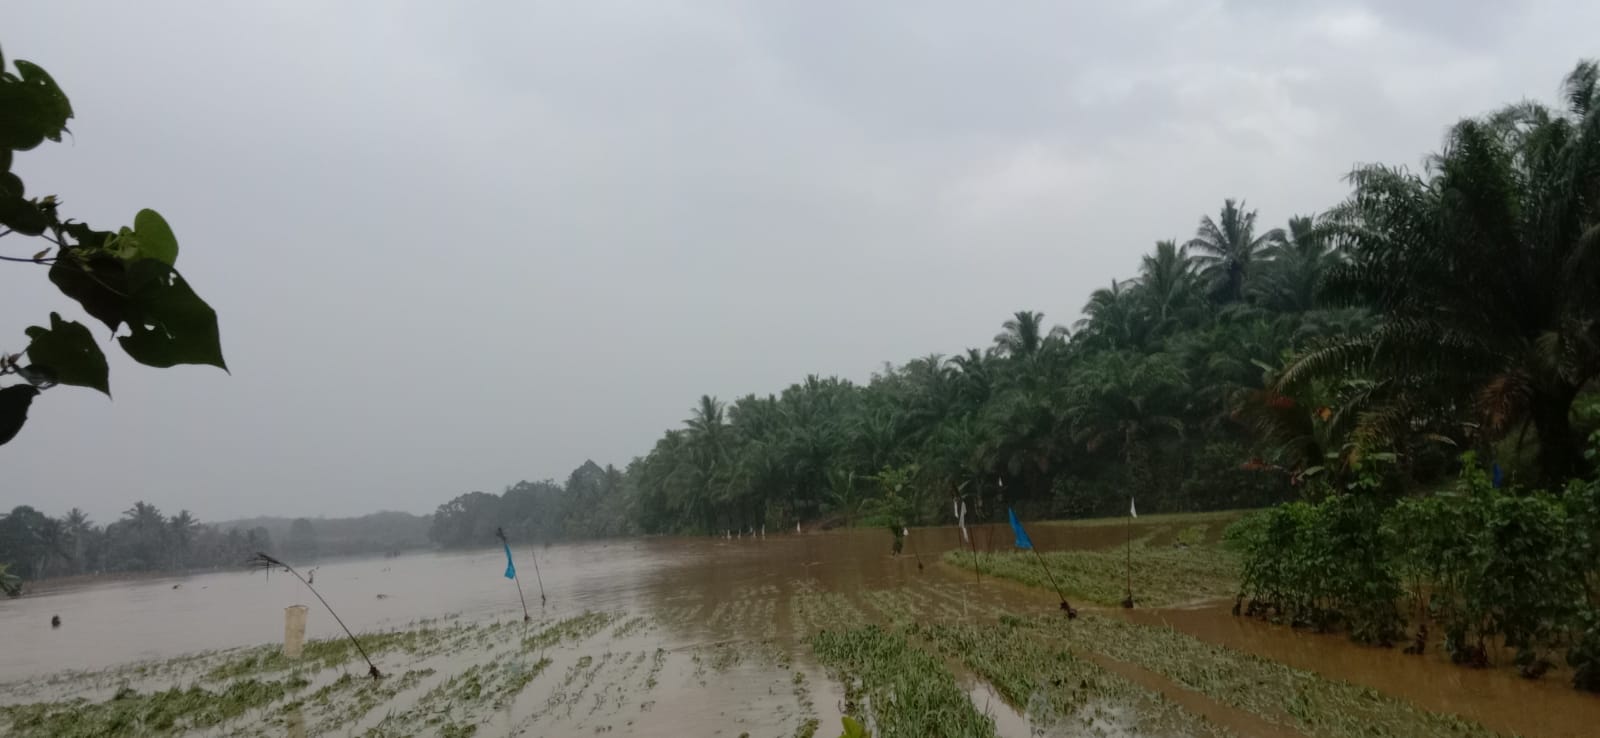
point(1324, 564)
point(1484, 272)
point(120, 278)
point(1487, 566)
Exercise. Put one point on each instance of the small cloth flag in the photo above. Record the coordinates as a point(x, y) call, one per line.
point(1016, 527)
point(961, 519)
point(511, 569)
point(1132, 509)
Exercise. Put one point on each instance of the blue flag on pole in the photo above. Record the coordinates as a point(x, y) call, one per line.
point(1497, 477)
point(511, 569)
point(1016, 527)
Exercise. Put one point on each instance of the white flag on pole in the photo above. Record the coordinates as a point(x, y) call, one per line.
point(961, 518)
point(1132, 510)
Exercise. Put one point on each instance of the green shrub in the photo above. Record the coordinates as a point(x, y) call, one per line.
point(1491, 565)
point(1321, 565)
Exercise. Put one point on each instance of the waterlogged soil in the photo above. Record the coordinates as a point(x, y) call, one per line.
point(774, 636)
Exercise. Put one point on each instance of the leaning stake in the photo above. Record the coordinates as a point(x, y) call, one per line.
point(1024, 542)
point(537, 576)
point(511, 572)
point(263, 561)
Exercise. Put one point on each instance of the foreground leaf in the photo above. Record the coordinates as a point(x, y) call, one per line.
point(155, 237)
point(67, 354)
point(32, 108)
point(170, 324)
point(14, 402)
point(98, 282)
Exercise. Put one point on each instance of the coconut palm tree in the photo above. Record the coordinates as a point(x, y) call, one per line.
point(78, 529)
point(1228, 247)
point(1484, 270)
point(183, 527)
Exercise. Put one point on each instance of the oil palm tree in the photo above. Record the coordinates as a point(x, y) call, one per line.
point(1296, 267)
point(1025, 436)
point(1166, 284)
point(1113, 318)
point(1120, 403)
point(973, 377)
point(1228, 247)
point(1484, 269)
point(1024, 335)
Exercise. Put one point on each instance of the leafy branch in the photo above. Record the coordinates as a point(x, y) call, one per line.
point(122, 278)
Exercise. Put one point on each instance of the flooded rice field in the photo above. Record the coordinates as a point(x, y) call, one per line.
point(780, 636)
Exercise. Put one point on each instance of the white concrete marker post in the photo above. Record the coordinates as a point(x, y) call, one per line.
point(294, 631)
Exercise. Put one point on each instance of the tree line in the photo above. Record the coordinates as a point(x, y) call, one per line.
point(594, 503)
point(1430, 314)
point(35, 546)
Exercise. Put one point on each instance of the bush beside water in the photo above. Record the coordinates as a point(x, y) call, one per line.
point(1490, 567)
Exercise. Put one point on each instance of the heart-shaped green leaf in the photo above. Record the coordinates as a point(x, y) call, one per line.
point(67, 354)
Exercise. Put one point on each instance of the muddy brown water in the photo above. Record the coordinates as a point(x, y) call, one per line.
point(706, 591)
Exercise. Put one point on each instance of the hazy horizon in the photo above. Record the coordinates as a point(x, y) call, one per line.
point(452, 249)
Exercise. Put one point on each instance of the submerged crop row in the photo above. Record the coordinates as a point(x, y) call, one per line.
point(906, 692)
point(1311, 704)
point(1057, 689)
point(1162, 575)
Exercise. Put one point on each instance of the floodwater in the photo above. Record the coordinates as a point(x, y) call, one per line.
point(117, 622)
point(698, 596)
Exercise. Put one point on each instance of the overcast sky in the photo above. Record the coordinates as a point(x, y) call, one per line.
point(456, 245)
